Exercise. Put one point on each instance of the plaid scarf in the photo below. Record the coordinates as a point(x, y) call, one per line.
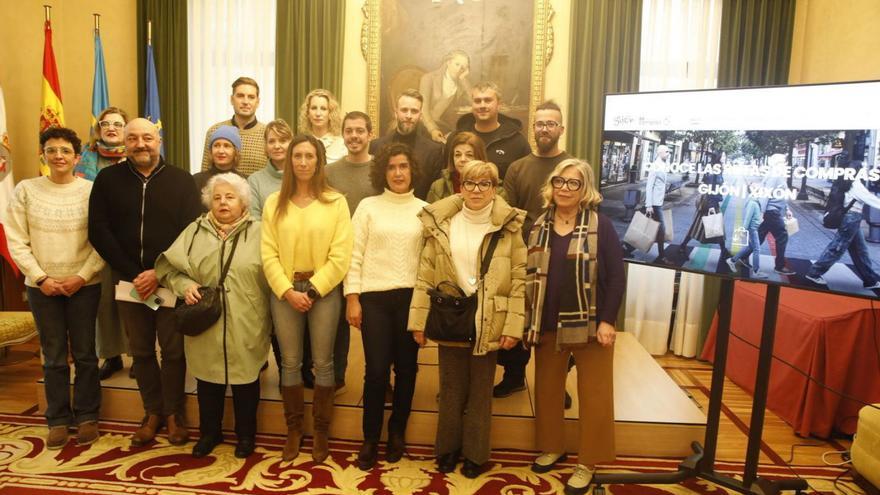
point(577, 306)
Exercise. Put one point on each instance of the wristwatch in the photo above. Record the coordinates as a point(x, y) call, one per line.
point(312, 292)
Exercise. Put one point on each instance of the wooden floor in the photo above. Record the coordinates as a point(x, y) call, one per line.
point(18, 381)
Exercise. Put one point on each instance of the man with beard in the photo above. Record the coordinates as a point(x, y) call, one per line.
point(429, 154)
point(136, 210)
point(351, 176)
point(245, 100)
point(522, 185)
point(503, 136)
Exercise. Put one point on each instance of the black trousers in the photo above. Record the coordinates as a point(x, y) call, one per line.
point(245, 399)
point(514, 362)
point(387, 341)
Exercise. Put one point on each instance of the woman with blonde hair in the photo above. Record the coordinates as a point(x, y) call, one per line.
point(320, 116)
point(574, 286)
point(306, 249)
point(473, 246)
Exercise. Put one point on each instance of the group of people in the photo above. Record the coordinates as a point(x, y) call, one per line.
point(310, 239)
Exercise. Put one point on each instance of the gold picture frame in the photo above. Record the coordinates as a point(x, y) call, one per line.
point(371, 48)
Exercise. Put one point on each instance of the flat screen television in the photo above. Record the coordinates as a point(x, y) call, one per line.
point(775, 184)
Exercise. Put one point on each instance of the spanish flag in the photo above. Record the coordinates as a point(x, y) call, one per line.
point(52, 110)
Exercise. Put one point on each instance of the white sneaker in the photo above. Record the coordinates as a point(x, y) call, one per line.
point(731, 264)
point(875, 285)
point(757, 274)
point(579, 482)
point(546, 462)
point(818, 279)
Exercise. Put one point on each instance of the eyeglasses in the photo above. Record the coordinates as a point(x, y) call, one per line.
point(482, 186)
point(573, 184)
point(106, 123)
point(64, 150)
point(549, 125)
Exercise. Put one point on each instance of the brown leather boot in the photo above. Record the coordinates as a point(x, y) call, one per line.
point(322, 412)
point(177, 432)
point(147, 432)
point(293, 414)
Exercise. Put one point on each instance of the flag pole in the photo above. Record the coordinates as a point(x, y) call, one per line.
point(48, 11)
point(97, 23)
point(150, 33)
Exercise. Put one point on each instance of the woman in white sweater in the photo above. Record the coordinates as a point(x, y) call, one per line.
point(378, 290)
point(47, 230)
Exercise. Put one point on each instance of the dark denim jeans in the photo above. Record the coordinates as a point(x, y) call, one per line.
point(387, 341)
point(775, 224)
point(849, 237)
point(63, 321)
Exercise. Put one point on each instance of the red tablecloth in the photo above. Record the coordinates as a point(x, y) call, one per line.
point(834, 339)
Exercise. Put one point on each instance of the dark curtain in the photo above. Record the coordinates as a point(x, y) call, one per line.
point(605, 56)
point(755, 42)
point(308, 52)
point(755, 50)
point(170, 54)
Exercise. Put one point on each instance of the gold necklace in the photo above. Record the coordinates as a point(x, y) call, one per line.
point(566, 221)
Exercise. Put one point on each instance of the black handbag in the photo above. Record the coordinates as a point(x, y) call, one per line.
point(192, 320)
point(451, 315)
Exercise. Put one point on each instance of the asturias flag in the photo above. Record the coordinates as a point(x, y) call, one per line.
point(151, 103)
point(100, 95)
point(51, 111)
point(6, 185)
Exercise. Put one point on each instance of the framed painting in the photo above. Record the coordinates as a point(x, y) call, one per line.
point(442, 47)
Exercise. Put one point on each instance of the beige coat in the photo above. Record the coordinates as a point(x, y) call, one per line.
point(500, 297)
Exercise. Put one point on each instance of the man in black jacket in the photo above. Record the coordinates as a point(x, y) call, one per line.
point(429, 154)
point(136, 210)
point(505, 142)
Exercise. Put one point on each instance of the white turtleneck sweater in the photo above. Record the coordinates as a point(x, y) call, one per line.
point(466, 232)
point(387, 243)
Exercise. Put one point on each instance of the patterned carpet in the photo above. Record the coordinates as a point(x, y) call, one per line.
point(112, 466)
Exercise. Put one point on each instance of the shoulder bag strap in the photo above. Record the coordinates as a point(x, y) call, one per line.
point(490, 250)
point(229, 260)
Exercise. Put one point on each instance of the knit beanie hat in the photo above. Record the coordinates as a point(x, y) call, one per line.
point(228, 133)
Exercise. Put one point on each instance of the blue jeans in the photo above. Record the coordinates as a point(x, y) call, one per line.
point(848, 238)
point(63, 321)
point(754, 248)
point(289, 327)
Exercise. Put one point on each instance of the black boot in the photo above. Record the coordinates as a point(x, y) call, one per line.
point(109, 367)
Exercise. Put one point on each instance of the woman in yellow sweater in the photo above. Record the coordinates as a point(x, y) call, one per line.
point(306, 247)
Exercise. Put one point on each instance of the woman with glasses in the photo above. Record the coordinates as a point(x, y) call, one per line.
point(106, 148)
point(461, 148)
point(459, 231)
point(574, 287)
point(47, 229)
point(306, 248)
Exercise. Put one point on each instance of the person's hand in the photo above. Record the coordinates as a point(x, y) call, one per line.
point(649, 212)
point(605, 334)
point(508, 343)
point(50, 287)
point(192, 295)
point(353, 310)
point(146, 283)
point(298, 300)
point(70, 285)
point(437, 135)
point(419, 337)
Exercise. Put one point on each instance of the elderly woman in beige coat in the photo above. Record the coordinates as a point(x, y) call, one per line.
point(232, 351)
point(459, 230)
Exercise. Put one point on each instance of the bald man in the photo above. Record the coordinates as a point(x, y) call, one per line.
point(136, 210)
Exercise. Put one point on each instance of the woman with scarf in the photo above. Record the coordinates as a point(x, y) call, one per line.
point(232, 351)
point(106, 148)
point(461, 148)
point(574, 284)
